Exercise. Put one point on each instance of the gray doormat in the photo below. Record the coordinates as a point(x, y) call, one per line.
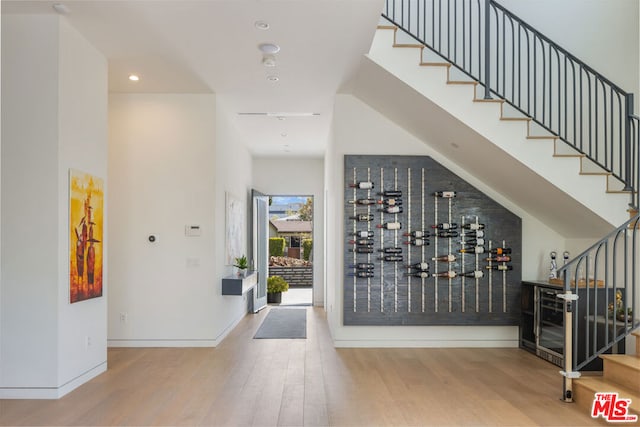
point(284, 323)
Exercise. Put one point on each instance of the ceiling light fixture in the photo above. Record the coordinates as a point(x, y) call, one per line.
point(269, 48)
point(273, 78)
point(61, 9)
point(279, 115)
point(284, 135)
point(261, 25)
point(269, 61)
point(134, 77)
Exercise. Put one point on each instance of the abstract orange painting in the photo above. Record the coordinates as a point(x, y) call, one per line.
point(86, 248)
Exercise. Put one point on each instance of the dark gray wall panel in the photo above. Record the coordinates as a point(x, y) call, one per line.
point(393, 298)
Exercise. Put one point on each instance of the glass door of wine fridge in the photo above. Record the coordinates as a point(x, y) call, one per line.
point(549, 321)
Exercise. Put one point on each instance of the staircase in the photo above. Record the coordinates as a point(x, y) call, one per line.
point(499, 132)
point(621, 374)
point(432, 69)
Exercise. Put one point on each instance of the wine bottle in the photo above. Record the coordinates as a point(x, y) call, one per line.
point(362, 217)
point(445, 194)
point(390, 225)
point(390, 202)
point(445, 226)
point(472, 250)
point(363, 266)
point(500, 258)
point(391, 250)
point(417, 242)
point(476, 274)
point(445, 258)
point(366, 273)
point(472, 242)
point(365, 242)
point(363, 249)
point(391, 209)
point(449, 274)
point(475, 234)
point(448, 234)
point(421, 266)
point(363, 234)
point(392, 258)
point(500, 251)
point(419, 274)
point(417, 234)
point(391, 193)
point(500, 267)
point(363, 185)
point(363, 202)
point(473, 226)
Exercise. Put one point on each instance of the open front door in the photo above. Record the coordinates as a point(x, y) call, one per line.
point(260, 260)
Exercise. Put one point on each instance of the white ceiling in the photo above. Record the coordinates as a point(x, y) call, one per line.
point(211, 46)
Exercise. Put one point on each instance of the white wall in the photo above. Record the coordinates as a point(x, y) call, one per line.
point(298, 176)
point(170, 162)
point(54, 118)
point(358, 129)
point(604, 34)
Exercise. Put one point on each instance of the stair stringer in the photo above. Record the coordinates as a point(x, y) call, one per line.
point(510, 136)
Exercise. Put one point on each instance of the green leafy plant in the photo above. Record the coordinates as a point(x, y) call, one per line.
point(277, 284)
point(241, 263)
point(307, 245)
point(276, 246)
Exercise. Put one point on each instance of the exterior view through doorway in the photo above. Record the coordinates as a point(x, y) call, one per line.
point(291, 247)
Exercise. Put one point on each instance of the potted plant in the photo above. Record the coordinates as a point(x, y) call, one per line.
point(276, 285)
point(241, 264)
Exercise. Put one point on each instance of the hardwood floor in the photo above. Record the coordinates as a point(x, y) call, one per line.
point(308, 382)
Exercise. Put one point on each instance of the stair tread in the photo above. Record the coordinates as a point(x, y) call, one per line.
point(435, 64)
point(601, 385)
point(408, 45)
point(569, 155)
point(629, 360)
point(387, 27)
point(636, 333)
point(461, 82)
point(541, 137)
point(488, 100)
point(524, 119)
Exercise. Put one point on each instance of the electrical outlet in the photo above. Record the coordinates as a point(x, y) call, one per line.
point(88, 341)
point(123, 317)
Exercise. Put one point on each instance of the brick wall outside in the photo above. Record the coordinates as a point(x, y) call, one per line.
point(295, 276)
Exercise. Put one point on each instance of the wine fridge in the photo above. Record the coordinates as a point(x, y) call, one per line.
point(548, 321)
point(542, 322)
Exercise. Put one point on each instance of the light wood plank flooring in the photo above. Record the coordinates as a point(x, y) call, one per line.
point(308, 382)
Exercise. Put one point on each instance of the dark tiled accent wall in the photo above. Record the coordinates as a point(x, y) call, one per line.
point(392, 297)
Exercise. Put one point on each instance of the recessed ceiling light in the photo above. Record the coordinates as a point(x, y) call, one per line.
point(269, 48)
point(134, 77)
point(284, 135)
point(273, 78)
point(261, 25)
point(281, 117)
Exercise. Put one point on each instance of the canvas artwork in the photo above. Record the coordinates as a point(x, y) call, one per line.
point(235, 216)
point(86, 219)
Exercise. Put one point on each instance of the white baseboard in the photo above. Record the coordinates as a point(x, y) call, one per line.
point(51, 392)
point(161, 343)
point(425, 343)
point(176, 343)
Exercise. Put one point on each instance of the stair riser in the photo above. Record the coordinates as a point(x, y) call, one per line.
point(583, 398)
point(621, 374)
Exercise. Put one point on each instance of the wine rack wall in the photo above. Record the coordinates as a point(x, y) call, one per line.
point(467, 271)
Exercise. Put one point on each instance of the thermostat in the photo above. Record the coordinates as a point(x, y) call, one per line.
point(192, 230)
